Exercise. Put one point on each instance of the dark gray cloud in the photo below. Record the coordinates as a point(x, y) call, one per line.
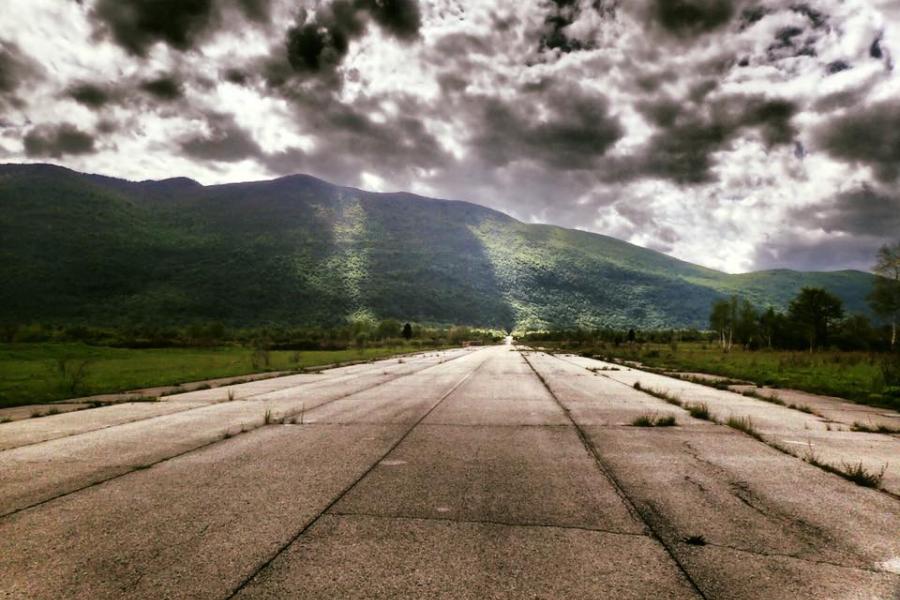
point(226, 142)
point(562, 13)
point(400, 18)
point(869, 136)
point(166, 88)
point(575, 132)
point(15, 68)
point(816, 254)
point(136, 25)
point(56, 141)
point(866, 211)
point(319, 42)
point(692, 17)
point(91, 95)
point(688, 134)
point(846, 229)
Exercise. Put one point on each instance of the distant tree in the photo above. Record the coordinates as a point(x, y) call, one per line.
point(407, 331)
point(814, 310)
point(746, 327)
point(768, 325)
point(855, 333)
point(885, 296)
point(631, 335)
point(722, 319)
point(389, 328)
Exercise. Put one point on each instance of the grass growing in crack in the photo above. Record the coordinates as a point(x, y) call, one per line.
point(268, 419)
point(763, 397)
point(859, 475)
point(698, 410)
point(857, 426)
point(231, 395)
point(745, 425)
point(654, 421)
point(662, 395)
point(36, 414)
point(776, 400)
point(5, 420)
point(695, 540)
point(856, 473)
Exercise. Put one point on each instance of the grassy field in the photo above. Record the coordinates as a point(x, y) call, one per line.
point(856, 376)
point(33, 373)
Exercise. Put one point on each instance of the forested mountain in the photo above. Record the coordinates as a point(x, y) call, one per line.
point(78, 248)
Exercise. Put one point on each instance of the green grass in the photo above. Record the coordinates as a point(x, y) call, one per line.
point(698, 411)
point(29, 373)
point(654, 421)
point(856, 376)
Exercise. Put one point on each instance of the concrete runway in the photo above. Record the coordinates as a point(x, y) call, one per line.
point(475, 473)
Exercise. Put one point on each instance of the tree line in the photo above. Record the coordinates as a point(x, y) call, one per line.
point(358, 333)
point(815, 318)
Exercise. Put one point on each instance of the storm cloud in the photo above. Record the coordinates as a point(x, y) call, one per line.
point(56, 141)
point(869, 136)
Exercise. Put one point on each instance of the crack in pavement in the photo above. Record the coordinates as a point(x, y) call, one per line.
point(807, 534)
point(802, 559)
point(268, 562)
point(774, 444)
point(216, 440)
point(632, 506)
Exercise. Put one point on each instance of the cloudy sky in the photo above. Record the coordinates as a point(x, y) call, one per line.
point(738, 134)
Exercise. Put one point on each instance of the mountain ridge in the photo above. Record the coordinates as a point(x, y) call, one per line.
point(300, 250)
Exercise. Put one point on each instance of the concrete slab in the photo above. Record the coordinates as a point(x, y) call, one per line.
point(736, 492)
point(38, 472)
point(194, 527)
point(19, 413)
point(32, 431)
point(491, 494)
point(595, 399)
point(782, 577)
point(876, 452)
point(836, 410)
point(506, 392)
point(371, 557)
point(512, 475)
point(788, 427)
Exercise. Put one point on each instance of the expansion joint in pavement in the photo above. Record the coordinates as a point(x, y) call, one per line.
point(265, 564)
point(108, 479)
point(630, 504)
point(759, 438)
point(491, 522)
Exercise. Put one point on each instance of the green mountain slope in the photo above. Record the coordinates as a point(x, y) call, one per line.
point(80, 248)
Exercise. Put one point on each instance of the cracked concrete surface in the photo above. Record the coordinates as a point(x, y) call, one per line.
point(476, 473)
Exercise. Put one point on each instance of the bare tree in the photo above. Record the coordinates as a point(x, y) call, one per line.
point(885, 296)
